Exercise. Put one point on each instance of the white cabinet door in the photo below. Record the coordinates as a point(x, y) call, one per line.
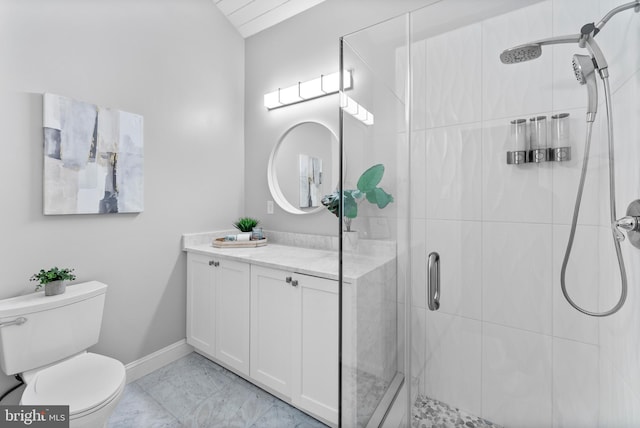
point(315, 344)
point(200, 303)
point(218, 309)
point(232, 314)
point(272, 300)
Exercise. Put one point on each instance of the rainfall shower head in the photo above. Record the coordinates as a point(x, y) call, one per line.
point(521, 53)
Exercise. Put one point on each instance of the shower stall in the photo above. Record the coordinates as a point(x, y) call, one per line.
point(486, 245)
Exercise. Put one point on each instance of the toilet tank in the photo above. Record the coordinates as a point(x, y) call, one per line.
point(56, 327)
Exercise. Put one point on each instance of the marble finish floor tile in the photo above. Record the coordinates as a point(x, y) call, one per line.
point(430, 413)
point(139, 409)
point(179, 386)
point(233, 406)
point(282, 415)
point(195, 392)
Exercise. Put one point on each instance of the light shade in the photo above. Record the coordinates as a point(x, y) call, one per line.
point(350, 106)
point(303, 91)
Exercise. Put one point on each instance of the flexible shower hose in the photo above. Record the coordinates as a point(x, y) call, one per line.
point(612, 210)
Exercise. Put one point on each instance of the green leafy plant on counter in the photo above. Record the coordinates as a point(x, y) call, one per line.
point(246, 224)
point(367, 188)
point(54, 274)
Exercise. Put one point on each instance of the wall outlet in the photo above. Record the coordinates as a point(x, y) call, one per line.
point(269, 207)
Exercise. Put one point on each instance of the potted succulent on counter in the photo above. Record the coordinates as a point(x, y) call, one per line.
point(249, 225)
point(54, 280)
point(246, 224)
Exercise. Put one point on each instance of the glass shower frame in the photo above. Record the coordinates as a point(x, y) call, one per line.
point(373, 304)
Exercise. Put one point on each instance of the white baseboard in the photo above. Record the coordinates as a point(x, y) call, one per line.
point(145, 365)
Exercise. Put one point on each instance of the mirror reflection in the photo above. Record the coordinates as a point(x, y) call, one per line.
point(310, 181)
point(303, 167)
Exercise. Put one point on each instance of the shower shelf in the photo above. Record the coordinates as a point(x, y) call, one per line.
point(555, 154)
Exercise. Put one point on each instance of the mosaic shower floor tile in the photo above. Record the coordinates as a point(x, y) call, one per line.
point(430, 413)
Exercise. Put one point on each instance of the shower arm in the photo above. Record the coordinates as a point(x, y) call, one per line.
point(594, 28)
point(584, 40)
point(615, 11)
point(570, 38)
point(590, 30)
point(586, 37)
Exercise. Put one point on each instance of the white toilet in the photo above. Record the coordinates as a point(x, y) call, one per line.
point(45, 340)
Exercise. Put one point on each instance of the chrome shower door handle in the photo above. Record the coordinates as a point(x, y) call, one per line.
point(433, 281)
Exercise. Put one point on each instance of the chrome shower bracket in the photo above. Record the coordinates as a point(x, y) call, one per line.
point(630, 224)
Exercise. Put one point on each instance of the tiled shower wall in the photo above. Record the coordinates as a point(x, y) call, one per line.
point(504, 344)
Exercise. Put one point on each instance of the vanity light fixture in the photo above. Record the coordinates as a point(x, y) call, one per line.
point(349, 105)
point(303, 91)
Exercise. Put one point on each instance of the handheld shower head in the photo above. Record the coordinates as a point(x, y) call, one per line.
point(584, 70)
point(582, 67)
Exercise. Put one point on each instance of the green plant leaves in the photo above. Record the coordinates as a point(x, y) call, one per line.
point(370, 179)
point(246, 224)
point(368, 184)
point(367, 188)
point(379, 197)
point(332, 202)
point(53, 274)
point(350, 204)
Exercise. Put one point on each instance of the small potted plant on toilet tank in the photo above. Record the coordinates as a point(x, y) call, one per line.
point(54, 280)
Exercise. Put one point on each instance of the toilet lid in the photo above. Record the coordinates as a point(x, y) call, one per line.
point(81, 382)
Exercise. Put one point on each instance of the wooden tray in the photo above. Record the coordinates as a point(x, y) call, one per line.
point(221, 243)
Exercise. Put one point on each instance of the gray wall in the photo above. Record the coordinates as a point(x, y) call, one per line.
point(298, 49)
point(179, 64)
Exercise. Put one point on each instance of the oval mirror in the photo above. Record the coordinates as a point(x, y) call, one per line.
point(303, 167)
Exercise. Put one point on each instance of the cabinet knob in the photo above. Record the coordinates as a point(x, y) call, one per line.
point(288, 280)
point(211, 262)
point(214, 263)
point(294, 283)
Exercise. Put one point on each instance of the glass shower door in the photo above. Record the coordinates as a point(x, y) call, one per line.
point(446, 224)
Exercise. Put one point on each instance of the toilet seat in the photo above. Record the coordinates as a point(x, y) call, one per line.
point(86, 383)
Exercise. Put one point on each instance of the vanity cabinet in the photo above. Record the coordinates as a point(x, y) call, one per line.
point(276, 327)
point(294, 338)
point(218, 307)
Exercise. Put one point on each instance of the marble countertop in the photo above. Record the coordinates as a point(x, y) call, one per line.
point(316, 262)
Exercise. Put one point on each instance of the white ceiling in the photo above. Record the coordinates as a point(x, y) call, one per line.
point(253, 16)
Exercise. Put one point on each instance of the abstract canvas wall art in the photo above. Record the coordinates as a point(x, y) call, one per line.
point(93, 158)
point(310, 181)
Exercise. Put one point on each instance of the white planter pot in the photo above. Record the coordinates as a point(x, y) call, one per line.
point(350, 241)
